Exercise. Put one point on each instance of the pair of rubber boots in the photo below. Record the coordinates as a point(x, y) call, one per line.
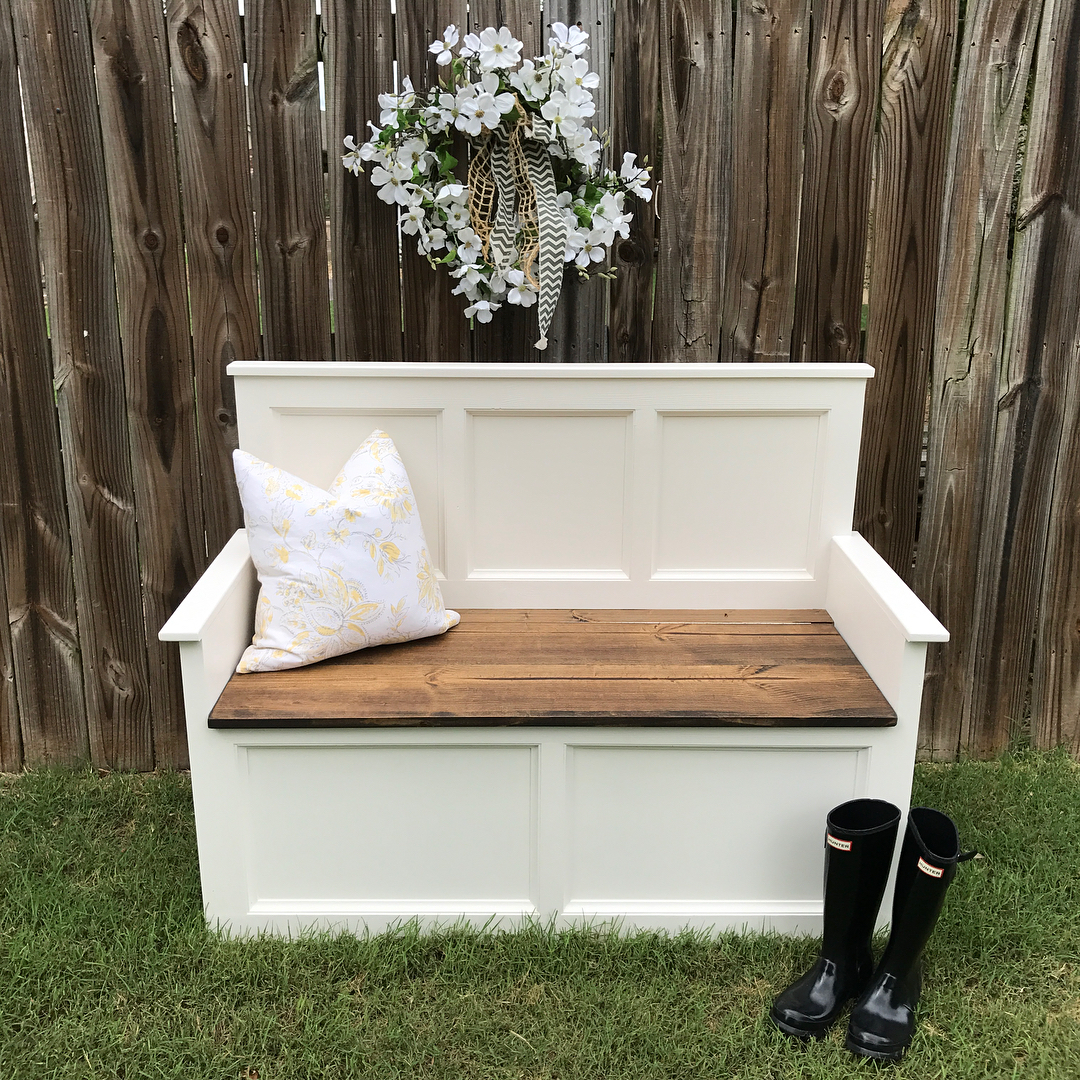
point(859, 842)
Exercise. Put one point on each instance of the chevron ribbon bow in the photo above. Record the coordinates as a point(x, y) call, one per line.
point(511, 193)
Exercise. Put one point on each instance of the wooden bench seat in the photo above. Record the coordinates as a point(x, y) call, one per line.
point(568, 666)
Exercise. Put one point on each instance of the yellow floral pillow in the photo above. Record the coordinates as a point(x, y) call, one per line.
point(340, 569)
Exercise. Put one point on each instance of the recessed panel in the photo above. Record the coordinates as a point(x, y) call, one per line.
point(391, 823)
point(315, 443)
point(737, 492)
point(548, 493)
point(702, 824)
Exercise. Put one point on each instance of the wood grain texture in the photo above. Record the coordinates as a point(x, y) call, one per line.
point(39, 650)
point(212, 146)
point(695, 77)
point(911, 165)
point(1036, 572)
point(56, 66)
point(132, 68)
point(434, 326)
point(359, 51)
point(768, 109)
point(578, 332)
point(511, 335)
point(504, 671)
point(286, 143)
point(635, 93)
point(845, 66)
point(950, 572)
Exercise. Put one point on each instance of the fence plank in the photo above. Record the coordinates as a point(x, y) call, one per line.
point(212, 144)
point(434, 326)
point(132, 67)
point(845, 65)
point(513, 331)
point(969, 315)
point(367, 289)
point(1039, 576)
point(11, 751)
point(695, 73)
point(578, 333)
point(911, 165)
point(286, 143)
point(41, 628)
point(768, 107)
point(635, 91)
point(57, 72)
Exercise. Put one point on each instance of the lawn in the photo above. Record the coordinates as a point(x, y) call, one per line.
point(106, 969)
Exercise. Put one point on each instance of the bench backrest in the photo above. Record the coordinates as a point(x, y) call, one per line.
point(591, 485)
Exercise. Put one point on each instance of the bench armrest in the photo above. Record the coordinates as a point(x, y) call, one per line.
point(885, 624)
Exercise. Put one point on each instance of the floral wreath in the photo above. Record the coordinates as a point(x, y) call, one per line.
point(536, 196)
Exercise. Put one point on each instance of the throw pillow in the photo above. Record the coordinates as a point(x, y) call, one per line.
point(340, 569)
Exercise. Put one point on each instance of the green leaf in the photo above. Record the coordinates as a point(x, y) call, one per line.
point(447, 163)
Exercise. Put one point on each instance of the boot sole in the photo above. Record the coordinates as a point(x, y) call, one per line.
point(815, 1032)
point(877, 1055)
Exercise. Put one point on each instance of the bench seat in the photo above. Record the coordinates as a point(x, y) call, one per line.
point(568, 666)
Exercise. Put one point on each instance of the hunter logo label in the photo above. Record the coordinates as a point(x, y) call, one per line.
point(926, 868)
point(840, 845)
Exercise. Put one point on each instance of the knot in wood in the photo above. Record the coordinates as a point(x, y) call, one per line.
point(836, 95)
point(836, 332)
point(630, 251)
point(191, 51)
point(221, 235)
point(151, 240)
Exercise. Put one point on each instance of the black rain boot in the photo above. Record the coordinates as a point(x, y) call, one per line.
point(883, 1019)
point(859, 840)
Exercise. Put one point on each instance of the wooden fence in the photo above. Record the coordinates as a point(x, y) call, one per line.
point(182, 212)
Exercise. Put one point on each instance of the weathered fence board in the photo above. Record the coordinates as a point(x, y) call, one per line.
point(52, 39)
point(434, 327)
point(359, 54)
point(969, 314)
point(578, 333)
point(286, 143)
point(768, 107)
point(132, 67)
point(845, 62)
point(911, 166)
point(635, 89)
point(695, 65)
point(513, 331)
point(212, 146)
point(39, 653)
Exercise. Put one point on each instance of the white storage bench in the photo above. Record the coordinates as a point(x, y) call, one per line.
point(674, 656)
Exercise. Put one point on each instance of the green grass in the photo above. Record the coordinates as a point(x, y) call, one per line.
point(106, 969)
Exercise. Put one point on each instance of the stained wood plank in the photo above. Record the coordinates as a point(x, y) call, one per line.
point(212, 146)
point(1037, 575)
point(635, 91)
point(132, 68)
point(38, 624)
point(911, 165)
point(768, 109)
point(359, 52)
point(845, 58)
point(695, 73)
point(513, 331)
point(56, 65)
point(286, 143)
point(950, 574)
point(581, 674)
point(578, 332)
point(434, 326)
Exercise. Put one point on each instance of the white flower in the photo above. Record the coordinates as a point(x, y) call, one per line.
point(351, 160)
point(499, 49)
point(432, 240)
point(568, 39)
point(390, 103)
point(443, 45)
point(534, 82)
point(577, 73)
point(490, 84)
point(592, 249)
point(583, 148)
point(635, 177)
point(414, 154)
point(608, 218)
point(522, 291)
point(450, 193)
point(469, 246)
point(411, 219)
point(575, 240)
point(371, 151)
point(484, 110)
point(470, 47)
point(482, 309)
point(392, 187)
point(560, 113)
point(457, 216)
point(581, 99)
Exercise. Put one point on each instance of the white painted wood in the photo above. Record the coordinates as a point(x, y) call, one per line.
point(585, 486)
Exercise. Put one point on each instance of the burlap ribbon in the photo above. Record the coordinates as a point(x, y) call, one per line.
point(512, 191)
